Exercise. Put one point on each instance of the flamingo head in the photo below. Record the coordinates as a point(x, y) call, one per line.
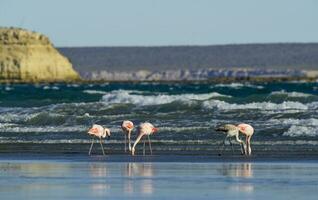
point(106, 133)
point(226, 128)
point(130, 126)
point(220, 128)
point(154, 129)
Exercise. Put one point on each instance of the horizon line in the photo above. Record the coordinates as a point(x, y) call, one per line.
point(183, 45)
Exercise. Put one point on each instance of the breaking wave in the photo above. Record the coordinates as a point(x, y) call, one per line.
point(238, 85)
point(301, 131)
point(94, 92)
point(286, 105)
point(127, 97)
point(291, 94)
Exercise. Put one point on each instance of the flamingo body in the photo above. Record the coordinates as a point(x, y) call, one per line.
point(231, 131)
point(248, 131)
point(99, 132)
point(127, 127)
point(145, 128)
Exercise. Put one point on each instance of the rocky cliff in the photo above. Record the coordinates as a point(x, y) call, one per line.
point(27, 56)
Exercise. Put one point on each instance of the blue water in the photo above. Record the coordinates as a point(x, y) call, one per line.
point(51, 179)
point(283, 114)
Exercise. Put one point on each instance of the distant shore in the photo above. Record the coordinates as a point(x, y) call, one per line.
point(211, 80)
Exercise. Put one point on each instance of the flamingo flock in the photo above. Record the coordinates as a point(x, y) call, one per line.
point(147, 129)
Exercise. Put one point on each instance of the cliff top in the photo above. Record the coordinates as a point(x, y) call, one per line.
point(19, 36)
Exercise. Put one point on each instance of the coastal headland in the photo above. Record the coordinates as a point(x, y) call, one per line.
point(30, 57)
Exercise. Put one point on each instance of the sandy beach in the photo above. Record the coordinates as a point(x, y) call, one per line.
point(123, 177)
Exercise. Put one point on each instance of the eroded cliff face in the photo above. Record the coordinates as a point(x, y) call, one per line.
point(30, 57)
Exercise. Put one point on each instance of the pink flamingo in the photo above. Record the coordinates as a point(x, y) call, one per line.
point(231, 131)
point(148, 129)
point(127, 127)
point(100, 132)
point(248, 131)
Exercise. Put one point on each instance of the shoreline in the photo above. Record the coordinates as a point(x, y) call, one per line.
point(214, 80)
point(122, 158)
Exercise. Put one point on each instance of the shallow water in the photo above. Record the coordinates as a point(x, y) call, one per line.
point(61, 179)
point(284, 115)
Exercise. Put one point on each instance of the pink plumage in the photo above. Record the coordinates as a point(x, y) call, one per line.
point(246, 129)
point(99, 131)
point(127, 126)
point(145, 128)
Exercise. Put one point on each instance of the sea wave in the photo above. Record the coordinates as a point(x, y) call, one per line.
point(94, 92)
point(303, 122)
point(301, 131)
point(46, 87)
point(286, 105)
point(13, 128)
point(238, 85)
point(123, 96)
point(290, 94)
point(298, 127)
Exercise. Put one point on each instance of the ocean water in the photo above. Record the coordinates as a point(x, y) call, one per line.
point(51, 179)
point(51, 118)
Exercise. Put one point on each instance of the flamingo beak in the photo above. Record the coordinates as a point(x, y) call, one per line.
point(154, 130)
point(130, 126)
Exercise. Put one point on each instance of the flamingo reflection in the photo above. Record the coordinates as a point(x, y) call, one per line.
point(143, 170)
point(243, 170)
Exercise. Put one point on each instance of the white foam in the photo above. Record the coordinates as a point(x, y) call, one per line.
point(301, 131)
point(94, 92)
point(239, 85)
point(287, 105)
point(42, 129)
point(73, 85)
point(298, 127)
point(182, 129)
point(303, 122)
point(8, 88)
point(46, 87)
point(290, 94)
point(124, 96)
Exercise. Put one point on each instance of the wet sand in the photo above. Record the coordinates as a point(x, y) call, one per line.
point(123, 177)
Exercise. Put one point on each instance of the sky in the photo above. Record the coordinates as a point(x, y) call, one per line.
point(164, 22)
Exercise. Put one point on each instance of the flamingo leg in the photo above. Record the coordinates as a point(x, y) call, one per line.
point(248, 145)
point(231, 146)
point(101, 144)
point(90, 149)
point(129, 143)
point(125, 142)
point(223, 146)
point(150, 145)
point(144, 149)
point(241, 143)
point(242, 149)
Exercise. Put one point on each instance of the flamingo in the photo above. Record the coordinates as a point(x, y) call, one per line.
point(231, 131)
point(148, 129)
point(100, 132)
point(127, 127)
point(248, 131)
